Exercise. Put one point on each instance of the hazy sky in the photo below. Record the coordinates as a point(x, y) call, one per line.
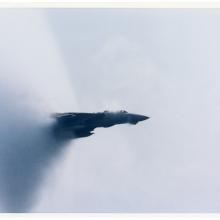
point(158, 62)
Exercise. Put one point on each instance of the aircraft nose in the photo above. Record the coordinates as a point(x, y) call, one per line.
point(143, 117)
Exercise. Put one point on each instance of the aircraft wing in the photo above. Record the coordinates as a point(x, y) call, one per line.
point(83, 131)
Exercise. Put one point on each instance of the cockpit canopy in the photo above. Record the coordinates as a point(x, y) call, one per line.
point(121, 111)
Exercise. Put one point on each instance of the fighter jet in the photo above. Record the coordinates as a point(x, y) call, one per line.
point(77, 125)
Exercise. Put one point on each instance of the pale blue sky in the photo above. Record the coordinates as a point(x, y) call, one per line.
point(159, 62)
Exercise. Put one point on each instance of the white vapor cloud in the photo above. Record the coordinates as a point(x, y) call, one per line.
point(33, 84)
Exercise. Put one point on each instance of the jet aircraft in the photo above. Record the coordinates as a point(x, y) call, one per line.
point(79, 124)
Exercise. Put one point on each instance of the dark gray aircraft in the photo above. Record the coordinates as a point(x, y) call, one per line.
point(77, 125)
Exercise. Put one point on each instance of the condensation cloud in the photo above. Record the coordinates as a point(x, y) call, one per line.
point(33, 84)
